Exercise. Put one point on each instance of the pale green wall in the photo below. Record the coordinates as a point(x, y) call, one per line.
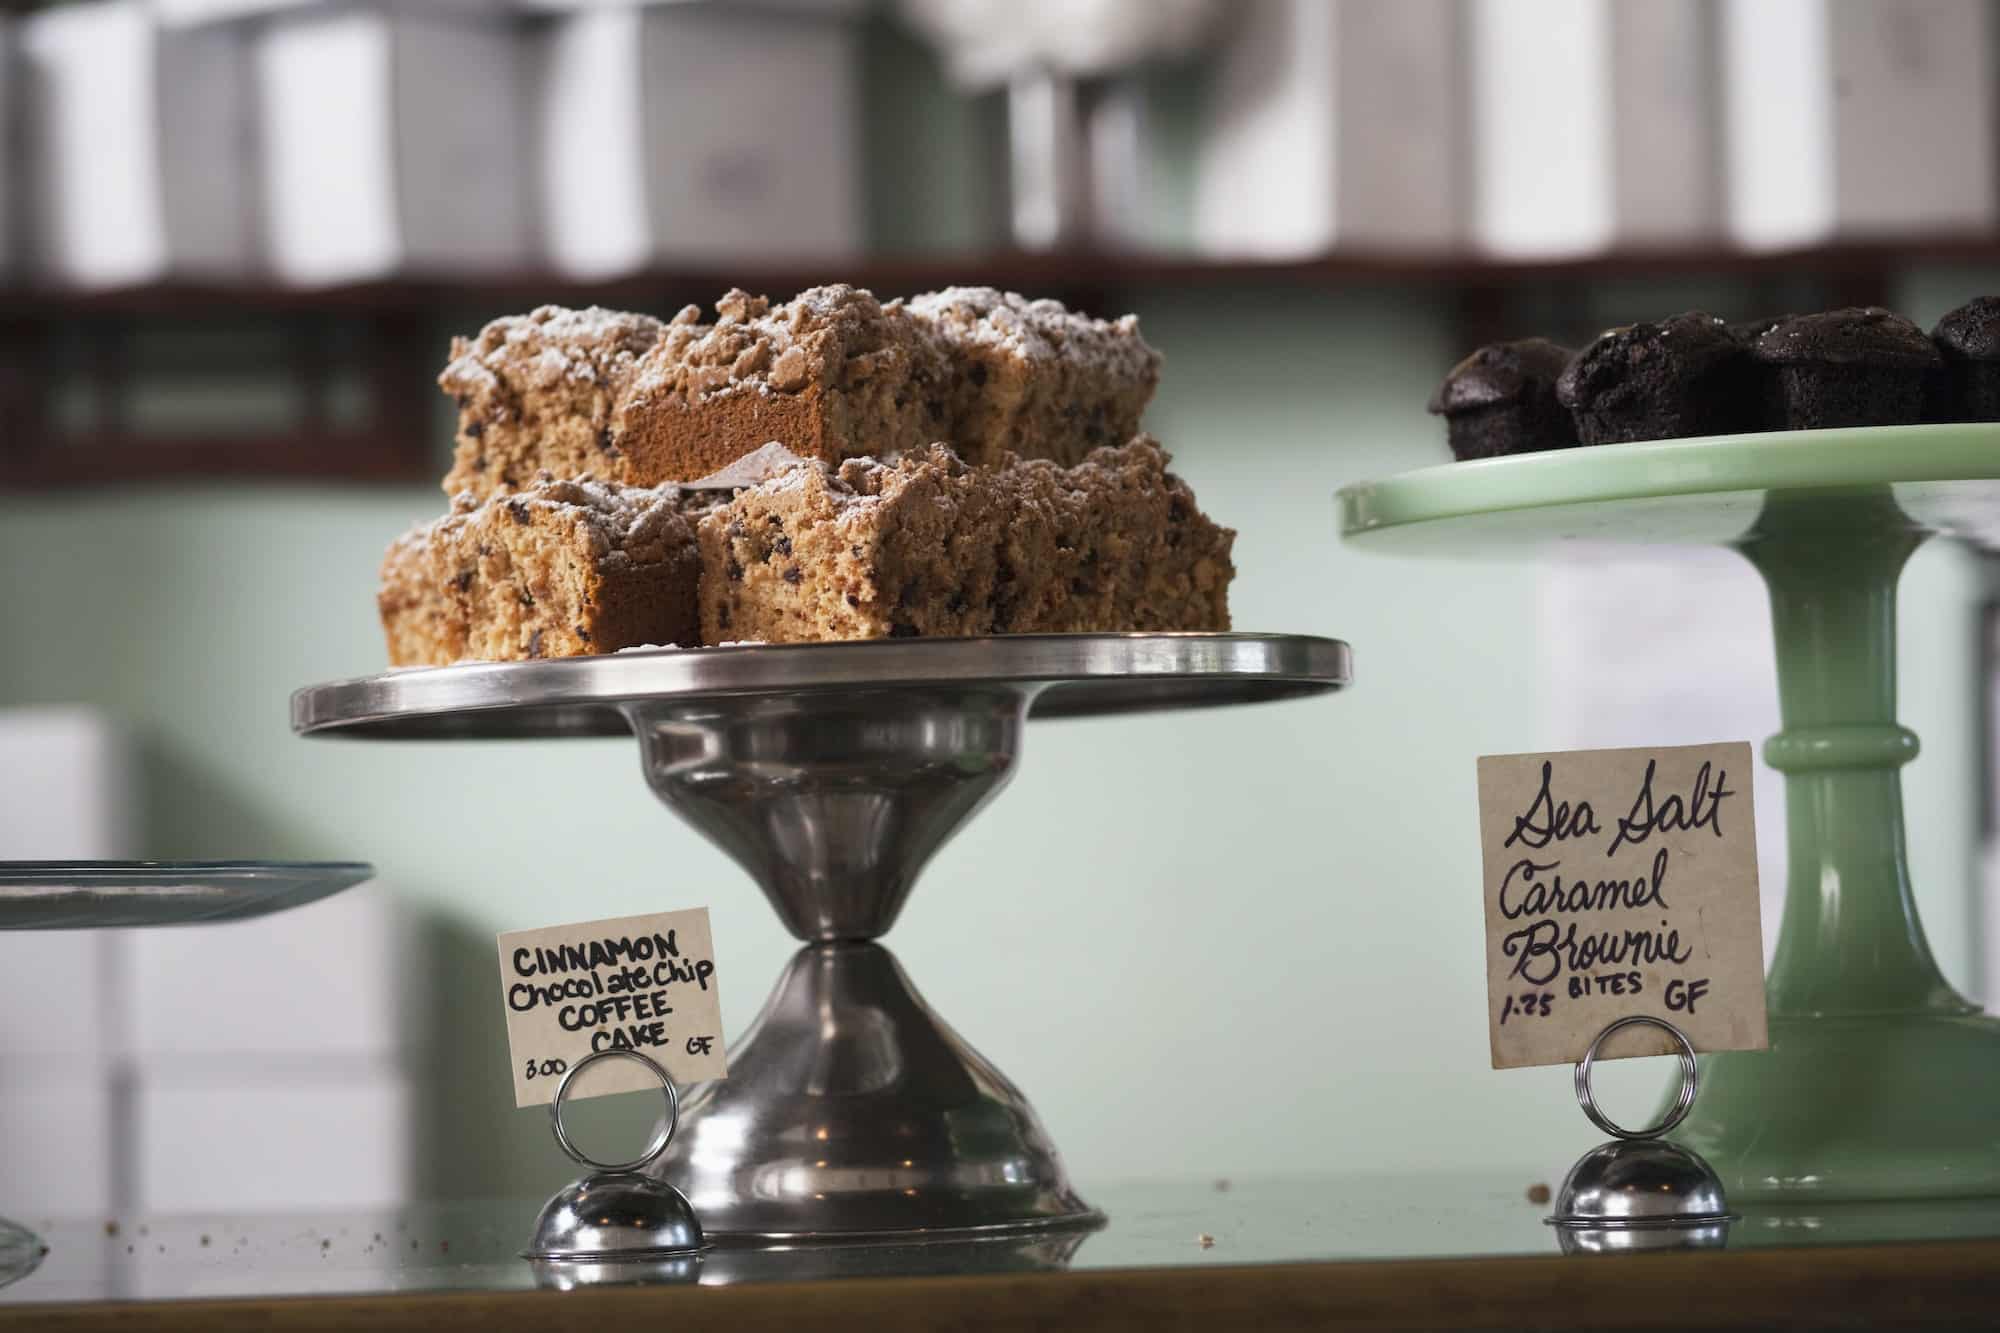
point(1224, 943)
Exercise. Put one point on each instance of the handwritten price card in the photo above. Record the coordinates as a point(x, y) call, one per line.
point(644, 983)
point(1620, 882)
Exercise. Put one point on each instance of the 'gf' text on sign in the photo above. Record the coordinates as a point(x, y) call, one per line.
point(1620, 882)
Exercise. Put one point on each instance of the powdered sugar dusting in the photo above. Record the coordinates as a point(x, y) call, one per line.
point(693, 647)
point(550, 345)
point(616, 514)
point(1040, 330)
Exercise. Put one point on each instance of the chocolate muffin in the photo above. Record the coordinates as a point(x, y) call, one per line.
point(1681, 377)
point(1966, 387)
point(1862, 366)
point(1747, 331)
point(1502, 400)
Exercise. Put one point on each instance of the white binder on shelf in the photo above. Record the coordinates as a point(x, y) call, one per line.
point(10, 166)
point(185, 12)
point(654, 148)
point(1333, 122)
point(375, 163)
point(138, 160)
point(1858, 119)
point(1595, 125)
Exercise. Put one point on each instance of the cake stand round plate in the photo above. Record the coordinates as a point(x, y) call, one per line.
point(77, 895)
point(1062, 674)
point(1689, 492)
point(832, 772)
point(1881, 1081)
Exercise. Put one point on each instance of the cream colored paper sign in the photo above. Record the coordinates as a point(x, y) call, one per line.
point(644, 983)
point(1620, 882)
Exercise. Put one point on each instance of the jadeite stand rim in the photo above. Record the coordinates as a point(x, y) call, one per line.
point(1764, 461)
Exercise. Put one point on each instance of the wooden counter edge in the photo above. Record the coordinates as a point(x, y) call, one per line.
point(1868, 1286)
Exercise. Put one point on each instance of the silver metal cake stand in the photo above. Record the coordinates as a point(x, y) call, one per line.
point(832, 773)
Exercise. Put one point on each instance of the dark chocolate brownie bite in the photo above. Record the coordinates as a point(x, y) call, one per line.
point(1681, 377)
point(1502, 400)
point(1861, 366)
point(1966, 387)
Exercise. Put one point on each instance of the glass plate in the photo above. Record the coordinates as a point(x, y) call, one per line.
point(81, 895)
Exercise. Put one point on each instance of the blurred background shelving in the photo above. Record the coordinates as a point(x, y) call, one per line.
point(358, 358)
point(310, 198)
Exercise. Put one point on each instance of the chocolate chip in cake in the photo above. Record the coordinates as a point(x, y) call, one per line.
point(783, 546)
point(793, 575)
point(518, 512)
point(473, 430)
point(535, 644)
point(733, 571)
point(902, 629)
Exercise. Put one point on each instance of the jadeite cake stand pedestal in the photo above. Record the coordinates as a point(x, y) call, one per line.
point(832, 773)
point(1881, 1082)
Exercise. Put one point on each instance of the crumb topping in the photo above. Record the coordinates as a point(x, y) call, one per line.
point(549, 347)
point(833, 336)
point(1038, 331)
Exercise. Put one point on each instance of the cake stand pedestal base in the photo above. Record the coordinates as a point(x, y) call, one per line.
point(1863, 1107)
point(851, 1108)
point(1881, 1081)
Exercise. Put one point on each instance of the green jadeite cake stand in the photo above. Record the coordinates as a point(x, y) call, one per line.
point(1881, 1081)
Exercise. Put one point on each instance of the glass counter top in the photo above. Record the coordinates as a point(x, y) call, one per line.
point(472, 1246)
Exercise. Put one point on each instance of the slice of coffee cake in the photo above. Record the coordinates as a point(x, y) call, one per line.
point(1035, 379)
point(536, 393)
point(559, 569)
point(931, 546)
point(830, 374)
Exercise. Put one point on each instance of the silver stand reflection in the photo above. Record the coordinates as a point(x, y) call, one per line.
point(832, 773)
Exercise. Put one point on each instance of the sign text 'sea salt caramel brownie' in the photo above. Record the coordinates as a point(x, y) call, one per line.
point(930, 546)
point(831, 374)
